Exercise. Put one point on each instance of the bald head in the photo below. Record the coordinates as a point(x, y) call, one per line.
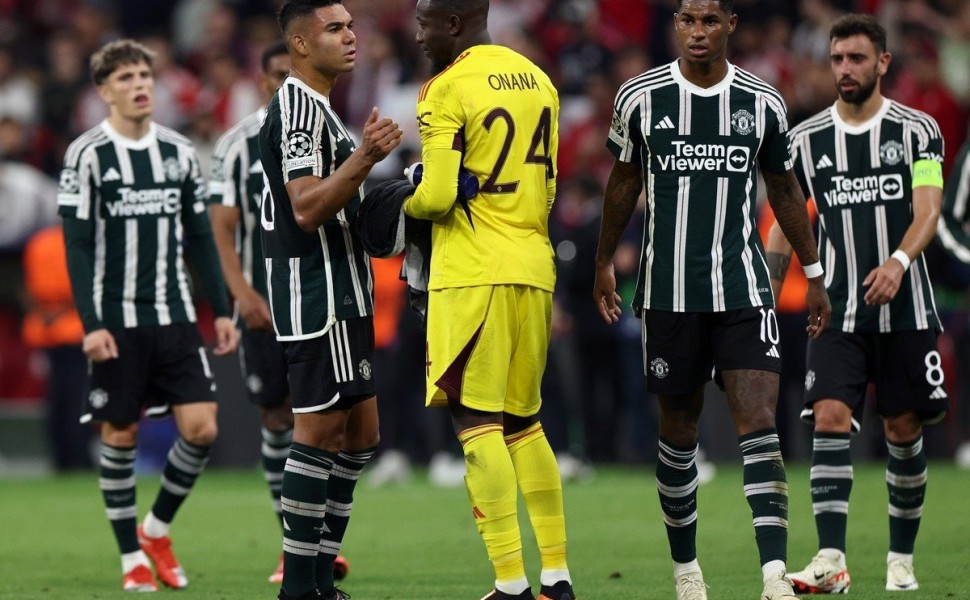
point(446, 28)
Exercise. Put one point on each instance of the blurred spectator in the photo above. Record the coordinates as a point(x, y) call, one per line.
point(177, 90)
point(28, 201)
point(810, 38)
point(19, 97)
point(52, 324)
point(584, 52)
point(228, 93)
point(954, 42)
point(918, 85)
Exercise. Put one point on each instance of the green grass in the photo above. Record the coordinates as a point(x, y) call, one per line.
point(419, 542)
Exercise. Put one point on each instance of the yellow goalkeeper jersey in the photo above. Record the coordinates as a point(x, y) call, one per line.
point(495, 113)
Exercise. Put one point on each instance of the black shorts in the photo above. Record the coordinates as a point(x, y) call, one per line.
point(905, 367)
point(263, 366)
point(157, 367)
point(683, 350)
point(334, 370)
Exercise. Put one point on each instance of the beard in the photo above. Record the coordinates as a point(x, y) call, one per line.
point(861, 93)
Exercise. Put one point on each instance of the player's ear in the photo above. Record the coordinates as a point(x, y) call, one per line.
point(299, 43)
point(884, 59)
point(732, 23)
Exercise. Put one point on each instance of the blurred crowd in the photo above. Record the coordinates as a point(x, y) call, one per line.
point(205, 72)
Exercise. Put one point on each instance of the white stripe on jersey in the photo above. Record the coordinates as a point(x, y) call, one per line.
point(841, 151)
point(205, 364)
point(268, 263)
point(724, 112)
point(124, 163)
point(646, 257)
point(88, 167)
point(331, 301)
point(717, 253)
point(963, 191)
point(919, 303)
point(180, 272)
point(680, 246)
point(874, 135)
point(747, 257)
point(161, 271)
point(683, 126)
point(296, 297)
point(851, 273)
point(131, 273)
point(100, 250)
point(155, 159)
point(882, 252)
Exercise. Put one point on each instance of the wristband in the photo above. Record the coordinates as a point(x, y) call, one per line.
point(902, 257)
point(813, 270)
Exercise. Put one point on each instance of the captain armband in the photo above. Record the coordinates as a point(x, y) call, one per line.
point(927, 172)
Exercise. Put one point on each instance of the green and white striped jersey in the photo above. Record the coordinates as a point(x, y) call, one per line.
point(313, 279)
point(698, 148)
point(236, 181)
point(128, 206)
point(861, 178)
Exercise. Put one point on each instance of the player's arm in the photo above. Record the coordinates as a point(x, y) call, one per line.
point(439, 185)
point(791, 216)
point(622, 191)
point(75, 202)
point(316, 200)
point(202, 251)
point(884, 281)
point(253, 308)
point(952, 228)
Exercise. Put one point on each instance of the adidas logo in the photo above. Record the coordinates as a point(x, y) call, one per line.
point(347, 301)
point(664, 123)
point(824, 162)
point(773, 352)
point(938, 394)
point(111, 174)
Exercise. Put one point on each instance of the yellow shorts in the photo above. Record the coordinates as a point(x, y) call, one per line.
point(487, 347)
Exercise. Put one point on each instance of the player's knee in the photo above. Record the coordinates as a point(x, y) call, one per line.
point(201, 434)
point(902, 429)
point(832, 416)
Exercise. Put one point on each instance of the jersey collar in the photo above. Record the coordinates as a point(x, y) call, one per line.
point(862, 127)
point(140, 144)
point(309, 90)
point(714, 90)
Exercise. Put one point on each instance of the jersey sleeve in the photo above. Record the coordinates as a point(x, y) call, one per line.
point(76, 191)
point(76, 196)
point(305, 137)
point(952, 230)
point(623, 139)
point(225, 175)
point(776, 149)
point(441, 121)
point(198, 234)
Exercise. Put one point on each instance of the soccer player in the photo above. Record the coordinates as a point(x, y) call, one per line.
point(494, 113)
point(320, 288)
point(874, 168)
point(133, 200)
point(235, 191)
point(694, 130)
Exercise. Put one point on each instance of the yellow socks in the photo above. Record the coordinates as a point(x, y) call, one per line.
point(491, 488)
point(537, 473)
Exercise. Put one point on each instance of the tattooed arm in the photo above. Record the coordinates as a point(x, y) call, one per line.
point(622, 192)
point(788, 203)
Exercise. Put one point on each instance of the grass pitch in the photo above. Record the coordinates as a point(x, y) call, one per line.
point(419, 542)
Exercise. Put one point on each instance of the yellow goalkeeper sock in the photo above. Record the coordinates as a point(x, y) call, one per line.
point(491, 489)
point(537, 473)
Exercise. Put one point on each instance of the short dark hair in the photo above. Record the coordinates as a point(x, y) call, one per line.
point(859, 24)
point(114, 54)
point(297, 9)
point(726, 5)
point(274, 49)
